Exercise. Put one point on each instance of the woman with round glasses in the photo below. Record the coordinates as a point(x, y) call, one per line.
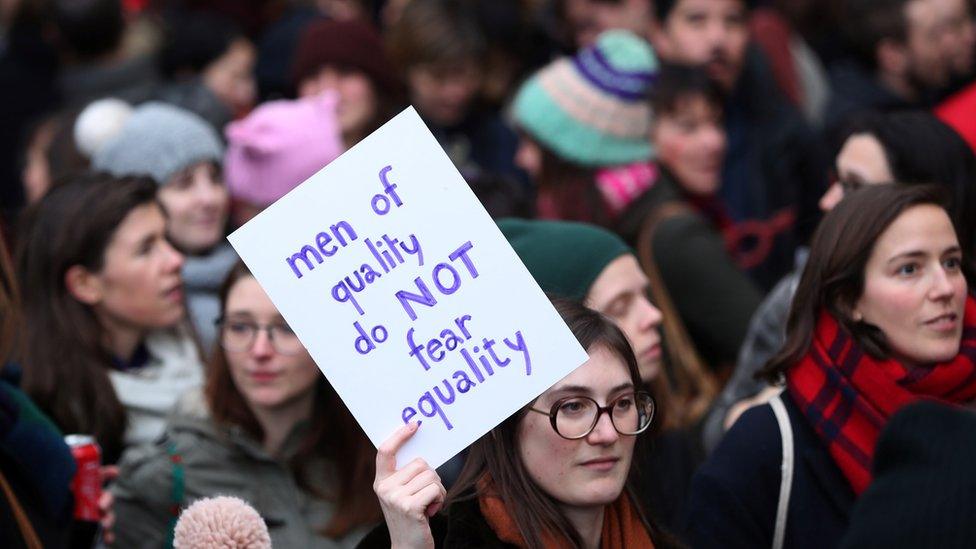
point(553, 474)
point(268, 428)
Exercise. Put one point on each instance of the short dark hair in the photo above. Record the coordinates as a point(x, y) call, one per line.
point(868, 22)
point(439, 32)
point(833, 278)
point(663, 8)
point(193, 40)
point(920, 148)
point(676, 83)
point(89, 28)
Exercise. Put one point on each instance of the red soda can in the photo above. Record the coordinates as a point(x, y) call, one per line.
point(87, 484)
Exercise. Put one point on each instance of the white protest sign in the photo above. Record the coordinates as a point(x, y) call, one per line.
point(407, 295)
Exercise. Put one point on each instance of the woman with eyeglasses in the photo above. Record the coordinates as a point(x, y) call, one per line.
point(268, 428)
point(553, 474)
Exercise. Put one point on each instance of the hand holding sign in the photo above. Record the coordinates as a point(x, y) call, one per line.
point(408, 496)
point(406, 294)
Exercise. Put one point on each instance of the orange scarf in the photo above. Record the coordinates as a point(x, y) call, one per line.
point(622, 526)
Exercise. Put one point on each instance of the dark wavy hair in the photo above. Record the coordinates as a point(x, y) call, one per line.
point(833, 278)
point(335, 437)
point(496, 453)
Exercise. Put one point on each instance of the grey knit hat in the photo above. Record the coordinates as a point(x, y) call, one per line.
point(159, 140)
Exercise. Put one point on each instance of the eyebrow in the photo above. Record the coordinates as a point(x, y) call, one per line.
point(584, 390)
point(915, 254)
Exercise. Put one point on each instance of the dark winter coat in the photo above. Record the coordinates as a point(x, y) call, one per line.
point(734, 495)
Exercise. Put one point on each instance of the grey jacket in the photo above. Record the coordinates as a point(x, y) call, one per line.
point(217, 462)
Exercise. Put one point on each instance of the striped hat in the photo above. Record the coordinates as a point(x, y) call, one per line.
point(592, 109)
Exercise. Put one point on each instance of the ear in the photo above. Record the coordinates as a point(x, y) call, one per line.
point(83, 285)
point(892, 57)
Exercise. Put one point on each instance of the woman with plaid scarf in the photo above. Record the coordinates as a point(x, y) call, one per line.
point(882, 317)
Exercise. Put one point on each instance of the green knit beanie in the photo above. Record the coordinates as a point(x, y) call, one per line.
point(592, 109)
point(564, 257)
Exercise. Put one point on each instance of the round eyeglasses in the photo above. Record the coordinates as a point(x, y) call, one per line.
point(575, 417)
point(238, 336)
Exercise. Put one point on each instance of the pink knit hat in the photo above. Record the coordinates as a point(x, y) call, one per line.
point(279, 145)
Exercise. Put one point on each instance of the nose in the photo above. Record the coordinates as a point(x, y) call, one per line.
point(715, 140)
point(174, 259)
point(603, 433)
point(942, 285)
point(831, 198)
point(650, 315)
point(262, 347)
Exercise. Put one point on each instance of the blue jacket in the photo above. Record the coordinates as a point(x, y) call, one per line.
point(734, 495)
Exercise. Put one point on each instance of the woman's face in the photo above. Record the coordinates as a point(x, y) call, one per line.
point(197, 202)
point(231, 77)
point(443, 94)
point(139, 284)
point(620, 292)
point(691, 144)
point(861, 161)
point(266, 378)
point(914, 289)
point(589, 472)
point(358, 104)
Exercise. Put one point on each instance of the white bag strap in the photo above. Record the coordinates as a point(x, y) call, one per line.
point(786, 480)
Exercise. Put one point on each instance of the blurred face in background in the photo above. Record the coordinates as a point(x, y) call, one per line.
point(138, 287)
point(710, 33)
point(690, 143)
point(620, 293)
point(444, 93)
point(927, 64)
point(266, 377)
point(957, 34)
point(197, 204)
point(357, 107)
point(231, 77)
point(861, 161)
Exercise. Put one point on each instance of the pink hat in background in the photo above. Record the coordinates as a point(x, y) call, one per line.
point(279, 145)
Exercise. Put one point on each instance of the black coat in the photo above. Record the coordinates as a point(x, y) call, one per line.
point(462, 526)
point(734, 495)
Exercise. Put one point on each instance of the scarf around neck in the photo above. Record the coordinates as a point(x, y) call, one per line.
point(848, 396)
point(622, 525)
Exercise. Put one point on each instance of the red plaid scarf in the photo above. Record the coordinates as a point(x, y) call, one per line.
point(848, 396)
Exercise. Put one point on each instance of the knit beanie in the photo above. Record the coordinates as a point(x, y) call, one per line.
point(564, 257)
point(279, 145)
point(352, 44)
point(592, 109)
point(159, 140)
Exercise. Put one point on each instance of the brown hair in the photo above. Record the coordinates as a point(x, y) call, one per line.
point(334, 436)
point(64, 358)
point(10, 325)
point(435, 32)
point(833, 279)
point(571, 188)
point(496, 453)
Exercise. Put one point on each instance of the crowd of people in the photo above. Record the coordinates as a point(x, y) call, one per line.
point(758, 218)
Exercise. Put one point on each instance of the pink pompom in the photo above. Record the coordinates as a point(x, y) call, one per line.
point(221, 522)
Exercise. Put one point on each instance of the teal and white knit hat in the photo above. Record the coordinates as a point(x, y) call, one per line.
point(592, 109)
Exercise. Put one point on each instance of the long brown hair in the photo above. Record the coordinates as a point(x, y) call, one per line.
point(334, 436)
point(833, 279)
point(10, 325)
point(572, 189)
point(496, 453)
point(64, 358)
